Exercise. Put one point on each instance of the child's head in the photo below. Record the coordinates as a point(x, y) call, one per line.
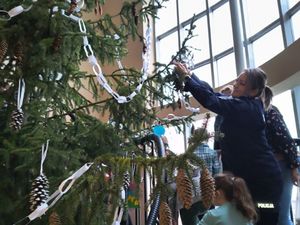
point(234, 189)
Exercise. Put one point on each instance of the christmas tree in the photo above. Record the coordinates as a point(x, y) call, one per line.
point(42, 47)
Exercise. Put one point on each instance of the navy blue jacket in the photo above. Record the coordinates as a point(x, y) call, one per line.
point(245, 150)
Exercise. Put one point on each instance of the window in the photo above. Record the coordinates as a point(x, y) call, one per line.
point(259, 14)
point(221, 29)
point(226, 70)
point(200, 42)
point(268, 46)
point(167, 17)
point(168, 46)
point(292, 3)
point(204, 73)
point(296, 25)
point(186, 11)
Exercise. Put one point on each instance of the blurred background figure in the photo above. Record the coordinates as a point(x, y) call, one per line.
point(285, 151)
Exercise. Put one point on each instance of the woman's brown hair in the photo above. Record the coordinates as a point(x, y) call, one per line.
point(236, 191)
point(257, 79)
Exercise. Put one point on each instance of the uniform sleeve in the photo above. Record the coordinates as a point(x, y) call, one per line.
point(205, 95)
point(281, 135)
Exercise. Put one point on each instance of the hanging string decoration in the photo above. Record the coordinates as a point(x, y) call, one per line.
point(97, 69)
point(207, 184)
point(165, 214)
point(40, 186)
point(17, 117)
point(184, 189)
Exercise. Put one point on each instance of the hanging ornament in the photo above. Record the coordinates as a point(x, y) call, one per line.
point(126, 181)
point(165, 214)
point(54, 219)
point(184, 189)
point(3, 49)
point(207, 184)
point(56, 43)
point(17, 117)
point(40, 186)
point(19, 54)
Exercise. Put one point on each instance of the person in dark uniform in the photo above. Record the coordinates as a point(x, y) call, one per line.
point(245, 150)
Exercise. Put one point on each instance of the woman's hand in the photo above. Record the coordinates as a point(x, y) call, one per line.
point(182, 69)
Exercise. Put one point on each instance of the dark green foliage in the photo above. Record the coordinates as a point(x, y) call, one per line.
point(48, 50)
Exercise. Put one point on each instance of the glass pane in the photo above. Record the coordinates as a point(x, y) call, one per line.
point(226, 70)
point(221, 29)
point(204, 73)
point(212, 2)
point(175, 139)
point(167, 47)
point(259, 14)
point(200, 42)
point(166, 17)
point(188, 8)
point(268, 46)
point(284, 103)
point(296, 25)
point(292, 3)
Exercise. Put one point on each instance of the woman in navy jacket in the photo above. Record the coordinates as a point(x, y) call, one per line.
point(245, 150)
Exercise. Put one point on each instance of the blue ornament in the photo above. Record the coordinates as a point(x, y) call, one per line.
point(159, 130)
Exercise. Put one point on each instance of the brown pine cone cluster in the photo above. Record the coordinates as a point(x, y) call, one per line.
point(207, 184)
point(165, 214)
point(3, 49)
point(184, 189)
point(54, 219)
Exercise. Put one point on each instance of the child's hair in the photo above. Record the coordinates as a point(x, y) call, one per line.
point(236, 191)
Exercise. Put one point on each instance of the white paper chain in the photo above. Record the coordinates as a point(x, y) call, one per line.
point(187, 105)
point(21, 92)
point(44, 155)
point(7, 15)
point(97, 69)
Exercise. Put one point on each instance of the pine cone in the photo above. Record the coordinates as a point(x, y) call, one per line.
point(39, 192)
point(19, 54)
point(126, 181)
point(184, 189)
point(54, 219)
point(17, 119)
point(165, 214)
point(207, 184)
point(57, 43)
point(3, 49)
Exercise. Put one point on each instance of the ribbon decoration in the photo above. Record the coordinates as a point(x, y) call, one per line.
point(21, 92)
point(43, 208)
point(44, 154)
